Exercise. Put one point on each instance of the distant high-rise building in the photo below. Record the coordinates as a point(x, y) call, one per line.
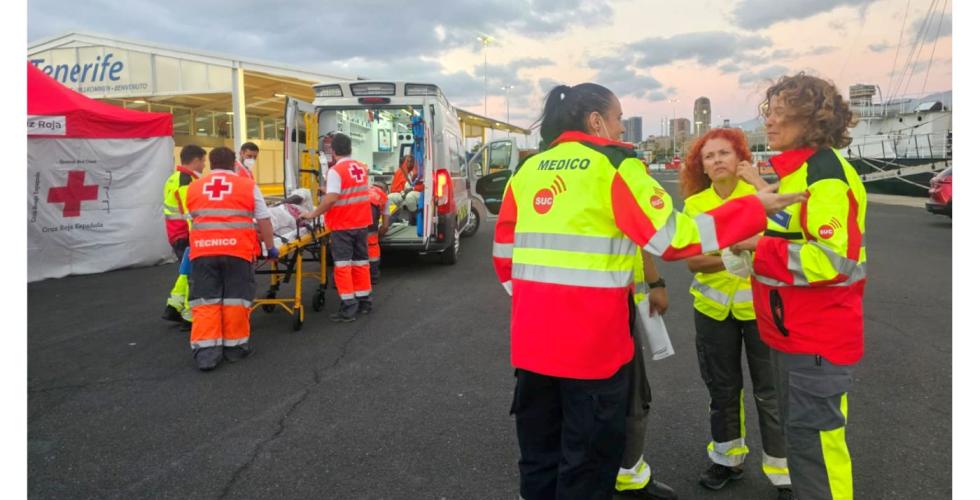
point(727, 123)
point(633, 127)
point(702, 115)
point(681, 125)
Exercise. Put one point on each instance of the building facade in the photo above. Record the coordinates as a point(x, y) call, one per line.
point(702, 115)
point(633, 127)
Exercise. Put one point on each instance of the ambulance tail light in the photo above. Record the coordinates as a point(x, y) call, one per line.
point(444, 192)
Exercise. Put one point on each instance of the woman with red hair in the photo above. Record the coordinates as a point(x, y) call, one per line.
point(724, 318)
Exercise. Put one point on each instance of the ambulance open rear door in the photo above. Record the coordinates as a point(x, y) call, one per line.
point(300, 157)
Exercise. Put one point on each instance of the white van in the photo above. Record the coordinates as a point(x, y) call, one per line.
point(378, 117)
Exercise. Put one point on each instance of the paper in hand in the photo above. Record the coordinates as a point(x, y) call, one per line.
point(655, 331)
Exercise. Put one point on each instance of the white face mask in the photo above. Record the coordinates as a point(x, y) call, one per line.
point(249, 162)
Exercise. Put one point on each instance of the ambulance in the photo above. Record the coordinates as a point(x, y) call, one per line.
point(387, 121)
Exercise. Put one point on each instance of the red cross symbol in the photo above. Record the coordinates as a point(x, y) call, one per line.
point(357, 172)
point(73, 194)
point(217, 189)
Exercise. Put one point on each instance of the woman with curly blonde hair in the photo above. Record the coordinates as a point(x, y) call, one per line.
point(724, 319)
point(808, 281)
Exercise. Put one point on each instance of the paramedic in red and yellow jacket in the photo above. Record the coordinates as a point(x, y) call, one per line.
point(564, 246)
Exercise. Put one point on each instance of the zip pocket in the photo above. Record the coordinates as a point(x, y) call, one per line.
point(778, 312)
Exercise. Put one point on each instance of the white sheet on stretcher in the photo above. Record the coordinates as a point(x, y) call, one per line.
point(285, 215)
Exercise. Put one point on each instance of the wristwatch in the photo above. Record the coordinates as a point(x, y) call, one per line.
point(660, 283)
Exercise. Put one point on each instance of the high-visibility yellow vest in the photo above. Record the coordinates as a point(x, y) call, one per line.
point(175, 202)
point(566, 242)
point(809, 268)
point(720, 293)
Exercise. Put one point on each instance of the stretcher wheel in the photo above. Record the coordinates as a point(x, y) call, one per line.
point(319, 299)
point(268, 308)
point(297, 321)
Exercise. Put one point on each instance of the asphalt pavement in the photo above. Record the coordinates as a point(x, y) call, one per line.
point(412, 401)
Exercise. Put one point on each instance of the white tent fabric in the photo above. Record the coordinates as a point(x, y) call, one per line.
point(95, 204)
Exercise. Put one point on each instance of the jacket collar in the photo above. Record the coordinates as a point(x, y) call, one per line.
point(790, 161)
point(576, 136)
point(184, 170)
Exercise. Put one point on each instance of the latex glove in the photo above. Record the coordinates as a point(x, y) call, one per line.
point(739, 264)
point(272, 253)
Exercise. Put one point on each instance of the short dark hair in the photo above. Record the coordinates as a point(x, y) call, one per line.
point(341, 144)
point(190, 153)
point(250, 146)
point(222, 158)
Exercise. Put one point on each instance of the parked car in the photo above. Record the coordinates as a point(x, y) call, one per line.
point(941, 193)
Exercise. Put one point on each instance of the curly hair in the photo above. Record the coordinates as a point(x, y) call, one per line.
point(692, 177)
point(818, 105)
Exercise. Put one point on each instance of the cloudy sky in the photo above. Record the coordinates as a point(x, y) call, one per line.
point(649, 52)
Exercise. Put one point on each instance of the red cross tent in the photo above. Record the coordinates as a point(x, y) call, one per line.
point(95, 182)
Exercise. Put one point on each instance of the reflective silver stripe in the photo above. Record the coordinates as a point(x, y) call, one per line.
point(204, 302)
point(360, 263)
point(346, 296)
point(742, 296)
point(237, 302)
point(776, 469)
point(219, 212)
point(351, 201)
point(362, 294)
point(859, 275)
point(575, 277)
point(712, 293)
point(176, 217)
point(234, 342)
point(706, 228)
point(508, 286)
point(205, 343)
point(575, 243)
point(503, 250)
point(172, 208)
point(355, 189)
point(794, 264)
point(375, 259)
point(342, 263)
point(660, 241)
point(223, 225)
point(850, 268)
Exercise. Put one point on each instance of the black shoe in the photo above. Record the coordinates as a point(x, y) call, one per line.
point(364, 308)
point(340, 317)
point(654, 490)
point(717, 476)
point(171, 314)
point(208, 358)
point(237, 353)
point(785, 494)
point(185, 326)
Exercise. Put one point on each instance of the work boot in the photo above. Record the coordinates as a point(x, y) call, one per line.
point(237, 353)
point(784, 494)
point(171, 314)
point(654, 490)
point(364, 308)
point(344, 316)
point(208, 358)
point(717, 476)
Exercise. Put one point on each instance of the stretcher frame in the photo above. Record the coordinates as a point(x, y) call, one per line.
point(314, 245)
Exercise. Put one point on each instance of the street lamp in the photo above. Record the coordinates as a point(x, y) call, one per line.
point(506, 89)
point(673, 130)
point(485, 40)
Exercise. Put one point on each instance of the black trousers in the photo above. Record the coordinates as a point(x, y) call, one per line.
point(571, 434)
point(179, 245)
point(719, 347)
